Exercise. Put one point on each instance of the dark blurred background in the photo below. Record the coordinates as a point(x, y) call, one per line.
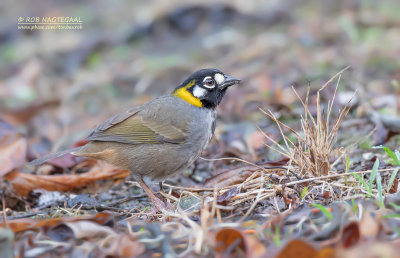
point(55, 85)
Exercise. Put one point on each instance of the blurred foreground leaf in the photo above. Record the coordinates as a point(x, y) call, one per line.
point(12, 148)
point(100, 176)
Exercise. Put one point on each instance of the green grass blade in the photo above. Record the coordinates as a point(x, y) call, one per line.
point(277, 237)
point(353, 204)
point(396, 161)
point(392, 178)
point(303, 192)
point(379, 186)
point(397, 154)
point(361, 180)
point(373, 176)
point(347, 164)
point(324, 210)
point(395, 206)
point(347, 170)
point(391, 216)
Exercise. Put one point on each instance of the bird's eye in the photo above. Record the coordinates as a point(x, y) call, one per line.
point(209, 82)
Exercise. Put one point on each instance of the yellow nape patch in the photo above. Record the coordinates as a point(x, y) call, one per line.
point(184, 94)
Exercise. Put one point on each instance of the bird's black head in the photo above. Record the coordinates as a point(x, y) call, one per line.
point(205, 88)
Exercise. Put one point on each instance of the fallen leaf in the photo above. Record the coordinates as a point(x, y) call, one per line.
point(13, 148)
point(84, 229)
point(369, 227)
point(326, 252)
point(351, 235)
point(254, 248)
point(394, 187)
point(229, 177)
point(123, 246)
point(101, 176)
point(226, 196)
point(326, 194)
point(24, 114)
point(19, 225)
point(297, 249)
point(60, 233)
point(229, 240)
point(280, 162)
point(226, 237)
point(370, 250)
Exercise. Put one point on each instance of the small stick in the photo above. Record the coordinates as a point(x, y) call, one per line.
point(4, 211)
point(333, 176)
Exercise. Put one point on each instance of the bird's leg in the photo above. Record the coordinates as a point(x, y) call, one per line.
point(159, 205)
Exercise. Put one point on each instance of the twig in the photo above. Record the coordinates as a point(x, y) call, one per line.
point(22, 216)
point(4, 211)
point(254, 205)
point(333, 176)
point(236, 159)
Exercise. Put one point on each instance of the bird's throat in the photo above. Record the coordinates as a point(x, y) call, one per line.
point(184, 94)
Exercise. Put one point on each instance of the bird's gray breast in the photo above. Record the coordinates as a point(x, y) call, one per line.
point(201, 130)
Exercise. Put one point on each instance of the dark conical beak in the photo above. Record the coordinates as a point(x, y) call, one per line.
point(229, 81)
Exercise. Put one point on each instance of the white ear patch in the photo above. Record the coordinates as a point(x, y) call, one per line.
point(219, 78)
point(199, 92)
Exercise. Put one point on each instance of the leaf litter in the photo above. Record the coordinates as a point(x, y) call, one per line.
point(236, 233)
point(241, 206)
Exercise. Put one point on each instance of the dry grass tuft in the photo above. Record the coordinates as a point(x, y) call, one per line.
point(315, 142)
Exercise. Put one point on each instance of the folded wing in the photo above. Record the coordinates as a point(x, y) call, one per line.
point(131, 127)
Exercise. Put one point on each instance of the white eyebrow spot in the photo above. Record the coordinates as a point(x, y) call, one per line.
point(199, 92)
point(219, 78)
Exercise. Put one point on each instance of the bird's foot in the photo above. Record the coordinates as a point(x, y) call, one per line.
point(159, 205)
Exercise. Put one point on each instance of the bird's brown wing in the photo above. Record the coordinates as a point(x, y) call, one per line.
point(131, 127)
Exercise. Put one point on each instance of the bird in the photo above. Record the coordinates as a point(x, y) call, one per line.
point(161, 137)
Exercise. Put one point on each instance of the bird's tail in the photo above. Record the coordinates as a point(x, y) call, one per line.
point(52, 156)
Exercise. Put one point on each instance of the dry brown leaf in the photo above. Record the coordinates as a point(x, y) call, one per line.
point(394, 187)
point(89, 229)
point(24, 114)
point(124, 246)
point(300, 249)
point(229, 177)
point(12, 148)
point(351, 235)
point(255, 248)
point(371, 250)
point(101, 176)
point(228, 240)
point(226, 237)
point(297, 249)
point(369, 227)
point(326, 252)
point(226, 196)
point(81, 229)
point(19, 225)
